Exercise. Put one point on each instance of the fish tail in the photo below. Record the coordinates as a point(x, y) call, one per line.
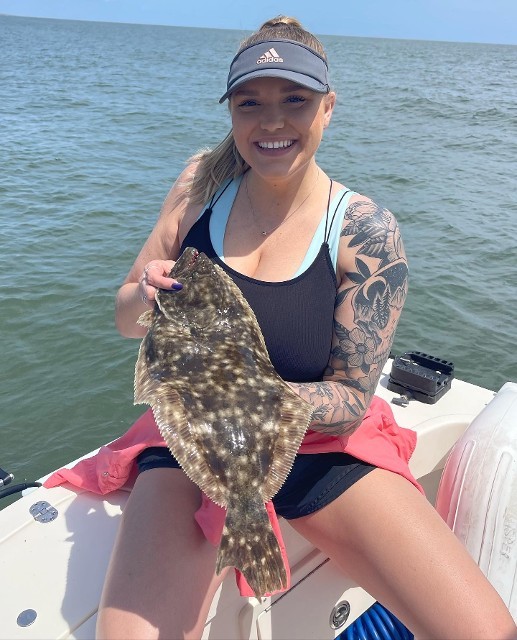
point(250, 545)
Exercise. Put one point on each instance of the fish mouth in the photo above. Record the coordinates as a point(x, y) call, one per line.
point(193, 256)
point(185, 263)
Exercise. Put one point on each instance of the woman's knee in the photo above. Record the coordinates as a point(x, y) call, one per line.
point(160, 579)
point(385, 535)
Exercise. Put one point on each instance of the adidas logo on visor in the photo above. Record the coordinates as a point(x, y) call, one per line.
point(269, 56)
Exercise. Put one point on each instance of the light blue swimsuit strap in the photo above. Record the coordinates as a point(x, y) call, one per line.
point(221, 213)
point(335, 216)
point(223, 206)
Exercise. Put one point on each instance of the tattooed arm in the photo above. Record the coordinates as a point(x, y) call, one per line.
point(372, 268)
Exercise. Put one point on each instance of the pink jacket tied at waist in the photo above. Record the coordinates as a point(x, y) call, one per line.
point(378, 441)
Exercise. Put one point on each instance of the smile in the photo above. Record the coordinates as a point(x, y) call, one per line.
point(278, 144)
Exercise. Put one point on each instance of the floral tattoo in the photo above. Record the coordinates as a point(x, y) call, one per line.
point(367, 309)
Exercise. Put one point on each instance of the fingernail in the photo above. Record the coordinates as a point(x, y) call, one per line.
point(177, 286)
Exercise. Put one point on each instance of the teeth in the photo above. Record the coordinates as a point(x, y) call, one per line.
point(278, 144)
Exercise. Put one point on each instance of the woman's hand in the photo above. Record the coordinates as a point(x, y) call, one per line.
point(137, 294)
point(155, 276)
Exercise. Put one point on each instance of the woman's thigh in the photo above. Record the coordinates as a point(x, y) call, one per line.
point(160, 580)
point(386, 536)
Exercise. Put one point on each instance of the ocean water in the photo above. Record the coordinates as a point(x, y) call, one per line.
point(96, 121)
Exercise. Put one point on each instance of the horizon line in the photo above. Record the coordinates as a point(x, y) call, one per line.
point(182, 26)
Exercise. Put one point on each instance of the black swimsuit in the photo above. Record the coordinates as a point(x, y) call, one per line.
point(296, 318)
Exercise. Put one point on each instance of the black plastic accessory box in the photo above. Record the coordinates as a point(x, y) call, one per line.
point(420, 376)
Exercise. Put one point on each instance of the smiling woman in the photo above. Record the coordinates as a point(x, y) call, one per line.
point(278, 126)
point(325, 272)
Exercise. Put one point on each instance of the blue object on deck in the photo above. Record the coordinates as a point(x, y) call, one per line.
point(377, 623)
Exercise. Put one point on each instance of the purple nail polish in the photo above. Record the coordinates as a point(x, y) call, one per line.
point(177, 286)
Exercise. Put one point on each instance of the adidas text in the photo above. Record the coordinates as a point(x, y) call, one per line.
point(269, 56)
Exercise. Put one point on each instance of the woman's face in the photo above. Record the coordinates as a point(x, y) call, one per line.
point(278, 125)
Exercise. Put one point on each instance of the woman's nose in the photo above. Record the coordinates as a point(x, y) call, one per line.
point(272, 119)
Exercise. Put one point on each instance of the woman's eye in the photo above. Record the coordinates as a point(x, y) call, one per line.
point(295, 99)
point(248, 103)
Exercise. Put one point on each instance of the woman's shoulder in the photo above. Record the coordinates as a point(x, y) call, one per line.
point(178, 197)
point(361, 216)
point(366, 217)
point(361, 204)
point(370, 231)
point(174, 213)
point(178, 208)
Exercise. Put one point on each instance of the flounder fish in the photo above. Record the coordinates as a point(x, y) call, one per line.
point(228, 418)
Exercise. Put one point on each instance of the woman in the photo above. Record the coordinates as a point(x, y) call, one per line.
point(325, 272)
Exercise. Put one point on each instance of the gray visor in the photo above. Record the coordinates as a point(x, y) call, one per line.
point(278, 59)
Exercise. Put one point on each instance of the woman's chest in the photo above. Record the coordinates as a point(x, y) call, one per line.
point(273, 256)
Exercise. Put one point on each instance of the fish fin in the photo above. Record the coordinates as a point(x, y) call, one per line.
point(143, 385)
point(173, 424)
point(146, 319)
point(295, 419)
point(249, 544)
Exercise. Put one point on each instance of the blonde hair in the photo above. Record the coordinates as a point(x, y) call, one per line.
point(214, 166)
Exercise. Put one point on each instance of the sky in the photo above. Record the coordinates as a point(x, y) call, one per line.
point(493, 21)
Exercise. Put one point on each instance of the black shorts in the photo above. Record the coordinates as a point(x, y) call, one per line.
point(315, 480)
